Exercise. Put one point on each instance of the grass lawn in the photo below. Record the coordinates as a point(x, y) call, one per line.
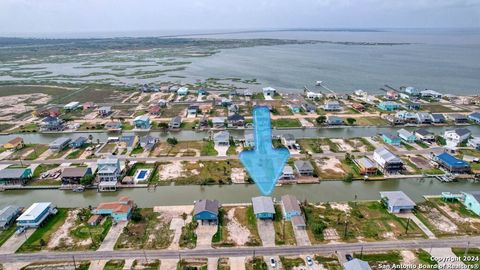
point(183, 148)
point(38, 150)
point(371, 121)
point(114, 265)
point(58, 154)
point(150, 265)
point(43, 168)
point(408, 146)
point(314, 145)
point(289, 263)
point(231, 150)
point(422, 144)
point(256, 263)
point(4, 235)
point(137, 150)
point(424, 257)
point(151, 232)
point(207, 172)
point(30, 127)
point(208, 149)
point(220, 238)
point(286, 123)
point(188, 238)
point(247, 218)
point(82, 231)
point(470, 258)
point(284, 234)
point(470, 152)
point(376, 259)
point(43, 233)
point(75, 154)
point(330, 262)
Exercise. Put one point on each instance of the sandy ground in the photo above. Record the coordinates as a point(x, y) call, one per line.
point(341, 206)
point(237, 263)
point(408, 257)
point(169, 264)
point(236, 231)
point(15, 266)
point(342, 145)
point(171, 170)
point(212, 263)
point(97, 265)
point(5, 154)
point(222, 150)
point(205, 233)
point(440, 221)
point(331, 234)
point(62, 234)
point(238, 175)
point(16, 104)
point(173, 214)
point(305, 123)
point(266, 231)
point(331, 163)
point(454, 215)
point(189, 150)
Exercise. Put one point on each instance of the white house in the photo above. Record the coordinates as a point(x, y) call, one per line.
point(456, 136)
point(287, 172)
point(332, 105)
point(36, 214)
point(221, 138)
point(313, 95)
point(288, 140)
point(412, 91)
point(71, 106)
point(269, 91)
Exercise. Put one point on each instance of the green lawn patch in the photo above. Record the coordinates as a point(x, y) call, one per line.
point(38, 149)
point(290, 263)
point(188, 238)
point(220, 238)
point(5, 234)
point(208, 149)
point(256, 263)
point(137, 150)
point(286, 123)
point(284, 234)
point(469, 257)
point(114, 265)
point(75, 154)
point(43, 168)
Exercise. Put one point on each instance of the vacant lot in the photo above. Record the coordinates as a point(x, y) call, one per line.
point(181, 149)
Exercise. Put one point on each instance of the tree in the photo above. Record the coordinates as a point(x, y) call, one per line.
point(321, 119)
point(42, 242)
point(172, 141)
point(351, 121)
point(87, 180)
point(348, 177)
point(163, 126)
point(136, 215)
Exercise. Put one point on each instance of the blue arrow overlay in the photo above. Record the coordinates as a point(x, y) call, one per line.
point(264, 163)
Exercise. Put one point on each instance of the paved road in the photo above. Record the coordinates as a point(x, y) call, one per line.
point(166, 159)
point(242, 251)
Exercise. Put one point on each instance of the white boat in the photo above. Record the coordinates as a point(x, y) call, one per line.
point(318, 83)
point(78, 189)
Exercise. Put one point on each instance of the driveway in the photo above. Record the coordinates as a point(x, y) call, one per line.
point(419, 223)
point(205, 233)
point(445, 256)
point(15, 241)
point(168, 264)
point(237, 263)
point(222, 150)
point(266, 231)
point(212, 263)
point(97, 265)
point(301, 236)
point(176, 226)
point(112, 236)
point(277, 260)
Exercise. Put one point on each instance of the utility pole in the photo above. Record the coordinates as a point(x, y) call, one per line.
point(346, 226)
point(361, 253)
point(253, 253)
point(74, 263)
point(466, 250)
point(145, 255)
point(406, 229)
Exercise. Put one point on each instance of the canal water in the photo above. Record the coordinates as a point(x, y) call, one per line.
point(190, 135)
point(327, 191)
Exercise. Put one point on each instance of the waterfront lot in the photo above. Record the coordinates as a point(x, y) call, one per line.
point(183, 149)
point(284, 234)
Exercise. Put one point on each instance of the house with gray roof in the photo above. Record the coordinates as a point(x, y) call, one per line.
point(206, 210)
point(288, 140)
point(8, 215)
point(59, 144)
point(175, 122)
point(147, 142)
point(15, 176)
point(218, 122)
point(291, 211)
point(73, 175)
point(263, 207)
point(387, 161)
point(221, 138)
point(356, 264)
point(397, 201)
point(424, 135)
point(304, 167)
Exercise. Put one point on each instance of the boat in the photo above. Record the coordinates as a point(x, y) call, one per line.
point(78, 189)
point(318, 83)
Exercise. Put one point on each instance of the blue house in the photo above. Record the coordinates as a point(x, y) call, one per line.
point(412, 91)
point(334, 120)
point(475, 117)
point(263, 207)
point(119, 211)
point(78, 142)
point(34, 216)
point(142, 122)
point(206, 210)
point(290, 207)
point(412, 106)
point(397, 201)
point(202, 91)
point(388, 106)
point(452, 164)
point(391, 139)
point(15, 176)
point(295, 107)
point(471, 200)
point(438, 118)
point(407, 135)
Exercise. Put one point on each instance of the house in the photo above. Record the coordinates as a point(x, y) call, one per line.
point(182, 91)
point(457, 136)
point(202, 91)
point(175, 122)
point(193, 110)
point(451, 163)
point(332, 105)
point(412, 106)
point(295, 107)
point(263, 207)
point(412, 91)
point(388, 106)
point(391, 95)
point(50, 111)
point(108, 169)
point(249, 141)
point(356, 264)
point(397, 201)
point(358, 107)
point(309, 108)
point(269, 91)
point(162, 103)
point(34, 216)
point(475, 117)
point(147, 142)
point(391, 139)
point(471, 200)
point(129, 141)
point(424, 118)
point(430, 94)
point(290, 207)
point(8, 215)
point(474, 142)
point(206, 210)
point(288, 140)
point(154, 109)
point(78, 142)
point(389, 162)
point(233, 108)
point(424, 135)
point(71, 106)
point(142, 122)
point(407, 135)
point(236, 120)
point(14, 144)
point(119, 210)
point(287, 172)
point(218, 122)
point(407, 117)
point(15, 176)
point(248, 93)
point(393, 120)
point(365, 165)
point(232, 93)
point(437, 118)
point(221, 138)
point(113, 126)
point(51, 123)
point(59, 144)
point(458, 118)
point(226, 102)
point(334, 120)
point(313, 95)
point(105, 111)
point(304, 167)
point(360, 93)
point(73, 175)
point(88, 105)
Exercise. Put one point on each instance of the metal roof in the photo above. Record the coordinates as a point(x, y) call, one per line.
point(34, 211)
point(356, 264)
point(290, 203)
point(303, 165)
point(387, 155)
point(397, 198)
point(206, 205)
point(12, 173)
point(263, 204)
point(60, 141)
point(7, 212)
point(74, 171)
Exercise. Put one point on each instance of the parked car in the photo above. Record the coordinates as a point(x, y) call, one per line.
point(20, 230)
point(309, 260)
point(348, 257)
point(273, 263)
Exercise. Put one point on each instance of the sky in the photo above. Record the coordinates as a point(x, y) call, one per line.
point(38, 17)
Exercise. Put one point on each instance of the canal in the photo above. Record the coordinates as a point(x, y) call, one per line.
point(190, 135)
point(178, 195)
